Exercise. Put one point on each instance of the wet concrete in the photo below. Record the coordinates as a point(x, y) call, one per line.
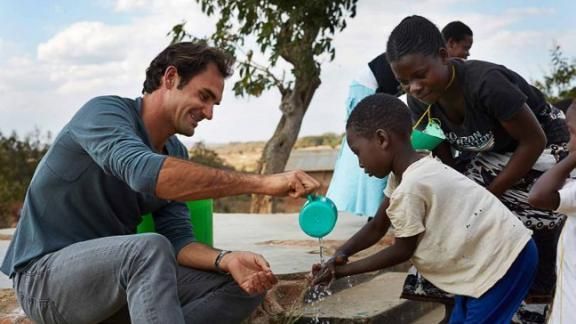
point(373, 301)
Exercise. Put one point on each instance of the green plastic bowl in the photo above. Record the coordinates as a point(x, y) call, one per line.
point(423, 141)
point(318, 216)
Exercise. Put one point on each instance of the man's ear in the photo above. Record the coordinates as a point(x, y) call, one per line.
point(170, 77)
point(383, 138)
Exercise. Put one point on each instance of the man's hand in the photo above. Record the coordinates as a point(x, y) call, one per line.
point(251, 271)
point(326, 273)
point(293, 183)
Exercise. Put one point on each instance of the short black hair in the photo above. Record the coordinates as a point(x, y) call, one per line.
point(190, 59)
point(414, 35)
point(456, 30)
point(380, 111)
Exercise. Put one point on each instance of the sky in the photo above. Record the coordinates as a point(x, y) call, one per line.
point(55, 55)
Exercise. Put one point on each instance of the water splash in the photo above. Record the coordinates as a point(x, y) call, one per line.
point(321, 251)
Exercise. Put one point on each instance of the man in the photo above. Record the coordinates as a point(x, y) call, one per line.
point(459, 39)
point(73, 258)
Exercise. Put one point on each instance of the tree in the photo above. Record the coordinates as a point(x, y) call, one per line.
point(559, 85)
point(298, 32)
point(18, 160)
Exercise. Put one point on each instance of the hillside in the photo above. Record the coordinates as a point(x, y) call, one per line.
point(243, 156)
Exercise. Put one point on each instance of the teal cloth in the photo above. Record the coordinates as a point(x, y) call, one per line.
point(351, 189)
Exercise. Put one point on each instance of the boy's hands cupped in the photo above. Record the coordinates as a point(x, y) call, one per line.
point(324, 274)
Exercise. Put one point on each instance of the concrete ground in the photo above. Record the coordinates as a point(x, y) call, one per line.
point(278, 238)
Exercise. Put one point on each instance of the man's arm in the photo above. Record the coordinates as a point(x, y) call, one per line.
point(250, 270)
point(184, 180)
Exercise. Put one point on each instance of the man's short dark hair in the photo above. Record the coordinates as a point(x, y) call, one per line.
point(380, 111)
point(456, 30)
point(189, 59)
point(414, 35)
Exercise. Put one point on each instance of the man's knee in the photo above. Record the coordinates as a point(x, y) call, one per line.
point(153, 245)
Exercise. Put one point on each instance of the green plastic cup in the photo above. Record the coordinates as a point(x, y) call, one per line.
point(200, 212)
point(428, 139)
point(318, 216)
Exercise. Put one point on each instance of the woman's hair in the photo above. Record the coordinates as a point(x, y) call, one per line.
point(414, 35)
point(380, 111)
point(189, 59)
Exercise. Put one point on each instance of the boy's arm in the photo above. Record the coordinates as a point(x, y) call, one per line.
point(544, 194)
point(369, 234)
point(401, 251)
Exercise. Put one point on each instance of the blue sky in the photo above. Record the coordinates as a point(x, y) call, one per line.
point(56, 55)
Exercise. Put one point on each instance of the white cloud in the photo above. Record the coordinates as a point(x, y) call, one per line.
point(127, 5)
point(85, 42)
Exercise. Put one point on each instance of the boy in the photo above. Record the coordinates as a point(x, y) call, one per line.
point(552, 193)
point(456, 233)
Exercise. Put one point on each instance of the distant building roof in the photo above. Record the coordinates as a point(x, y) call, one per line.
point(320, 158)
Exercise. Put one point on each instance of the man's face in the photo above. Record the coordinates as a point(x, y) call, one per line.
point(371, 153)
point(571, 122)
point(422, 76)
point(461, 48)
point(195, 101)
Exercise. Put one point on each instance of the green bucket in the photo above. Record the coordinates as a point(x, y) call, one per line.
point(200, 212)
point(428, 138)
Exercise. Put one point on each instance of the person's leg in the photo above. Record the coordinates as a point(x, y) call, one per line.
point(90, 281)
point(210, 297)
point(498, 305)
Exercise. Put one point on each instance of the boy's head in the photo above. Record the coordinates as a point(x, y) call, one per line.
point(571, 122)
point(458, 39)
point(378, 127)
point(419, 59)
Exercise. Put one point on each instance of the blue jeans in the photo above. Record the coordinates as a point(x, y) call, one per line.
point(499, 303)
point(123, 279)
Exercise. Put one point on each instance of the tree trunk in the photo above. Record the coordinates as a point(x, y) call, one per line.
point(277, 150)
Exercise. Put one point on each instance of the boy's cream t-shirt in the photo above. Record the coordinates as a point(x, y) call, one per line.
point(468, 238)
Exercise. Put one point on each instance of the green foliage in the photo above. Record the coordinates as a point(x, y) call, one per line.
point(559, 84)
point(329, 139)
point(199, 153)
point(18, 160)
point(299, 31)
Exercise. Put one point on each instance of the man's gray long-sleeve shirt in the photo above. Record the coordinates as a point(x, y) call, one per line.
point(96, 180)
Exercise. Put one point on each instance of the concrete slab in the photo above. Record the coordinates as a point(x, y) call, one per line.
point(251, 232)
point(5, 282)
